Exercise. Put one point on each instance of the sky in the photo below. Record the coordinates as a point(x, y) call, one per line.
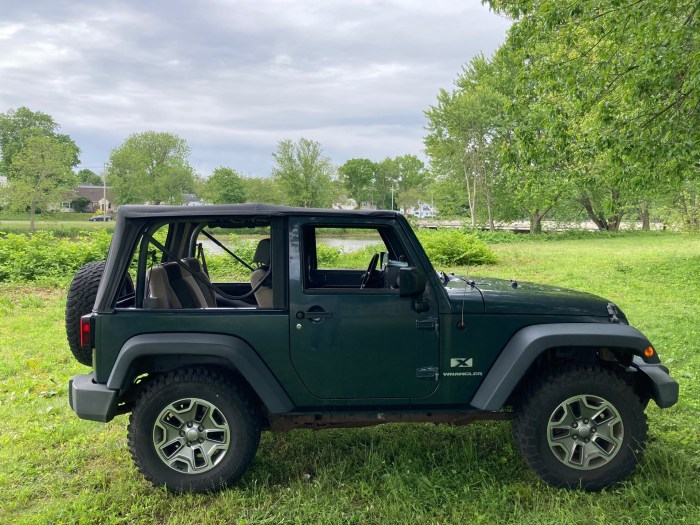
point(234, 77)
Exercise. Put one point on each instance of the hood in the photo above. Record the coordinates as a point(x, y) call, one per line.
point(500, 296)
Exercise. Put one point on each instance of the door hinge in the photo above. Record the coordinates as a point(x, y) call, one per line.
point(428, 324)
point(428, 373)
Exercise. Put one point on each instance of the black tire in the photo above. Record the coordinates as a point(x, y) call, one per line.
point(81, 299)
point(563, 438)
point(211, 453)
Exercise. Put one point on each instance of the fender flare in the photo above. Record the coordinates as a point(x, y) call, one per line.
point(528, 343)
point(231, 349)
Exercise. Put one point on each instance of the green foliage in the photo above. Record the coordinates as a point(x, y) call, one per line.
point(19, 125)
point(262, 189)
point(357, 175)
point(45, 258)
point(303, 173)
point(40, 175)
point(151, 167)
point(223, 267)
point(224, 186)
point(453, 248)
point(86, 176)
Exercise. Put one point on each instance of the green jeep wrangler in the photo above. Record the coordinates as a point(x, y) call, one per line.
point(205, 366)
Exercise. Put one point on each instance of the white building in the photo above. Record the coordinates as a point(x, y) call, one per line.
point(423, 211)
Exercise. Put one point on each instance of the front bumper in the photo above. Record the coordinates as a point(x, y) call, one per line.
point(664, 388)
point(91, 400)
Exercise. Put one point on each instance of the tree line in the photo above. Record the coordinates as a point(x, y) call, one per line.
point(154, 167)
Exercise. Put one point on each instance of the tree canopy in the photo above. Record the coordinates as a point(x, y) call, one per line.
point(40, 175)
point(19, 125)
point(224, 186)
point(151, 167)
point(303, 172)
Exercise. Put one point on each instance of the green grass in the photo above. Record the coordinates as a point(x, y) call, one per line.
point(55, 468)
point(62, 224)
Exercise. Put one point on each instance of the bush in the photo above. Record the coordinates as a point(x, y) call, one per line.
point(454, 248)
point(45, 258)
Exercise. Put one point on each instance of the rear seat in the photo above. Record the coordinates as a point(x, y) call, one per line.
point(170, 287)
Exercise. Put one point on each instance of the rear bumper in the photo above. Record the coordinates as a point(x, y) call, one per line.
point(664, 388)
point(91, 400)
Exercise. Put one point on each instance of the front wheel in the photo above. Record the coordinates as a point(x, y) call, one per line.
point(193, 430)
point(581, 427)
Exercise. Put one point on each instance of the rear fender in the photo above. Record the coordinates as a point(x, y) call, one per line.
point(203, 348)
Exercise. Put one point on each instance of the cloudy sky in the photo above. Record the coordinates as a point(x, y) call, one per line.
point(233, 77)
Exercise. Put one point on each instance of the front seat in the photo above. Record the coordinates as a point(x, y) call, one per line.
point(263, 295)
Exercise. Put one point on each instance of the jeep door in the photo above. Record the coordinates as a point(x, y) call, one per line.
point(349, 341)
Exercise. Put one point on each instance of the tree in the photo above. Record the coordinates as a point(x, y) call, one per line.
point(40, 175)
point(262, 189)
point(151, 167)
point(17, 126)
point(357, 175)
point(624, 76)
point(86, 176)
point(303, 173)
point(465, 128)
point(224, 186)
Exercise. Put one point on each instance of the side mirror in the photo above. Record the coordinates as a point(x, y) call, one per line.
point(411, 281)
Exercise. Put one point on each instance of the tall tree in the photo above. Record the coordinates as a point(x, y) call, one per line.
point(224, 186)
point(151, 167)
point(463, 132)
point(18, 125)
point(625, 79)
point(303, 172)
point(40, 175)
point(357, 175)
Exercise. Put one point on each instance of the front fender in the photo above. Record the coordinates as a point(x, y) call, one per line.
point(527, 344)
point(237, 352)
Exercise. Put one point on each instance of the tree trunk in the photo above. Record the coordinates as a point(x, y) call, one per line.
point(644, 212)
point(32, 211)
point(492, 226)
point(535, 223)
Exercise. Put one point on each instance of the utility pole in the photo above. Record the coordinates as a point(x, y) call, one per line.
point(104, 190)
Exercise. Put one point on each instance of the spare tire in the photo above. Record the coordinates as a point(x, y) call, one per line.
point(81, 300)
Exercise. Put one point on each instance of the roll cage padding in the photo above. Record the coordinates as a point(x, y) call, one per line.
point(527, 344)
point(235, 351)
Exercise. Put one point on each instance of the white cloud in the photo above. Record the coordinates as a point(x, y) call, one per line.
point(234, 76)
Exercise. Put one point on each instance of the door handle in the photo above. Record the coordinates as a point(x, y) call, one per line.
point(313, 315)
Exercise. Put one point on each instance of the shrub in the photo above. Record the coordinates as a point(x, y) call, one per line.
point(454, 248)
point(45, 258)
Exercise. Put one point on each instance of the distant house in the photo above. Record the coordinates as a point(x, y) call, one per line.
point(346, 204)
point(96, 196)
point(192, 200)
point(423, 211)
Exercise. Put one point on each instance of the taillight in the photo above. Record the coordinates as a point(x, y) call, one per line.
point(86, 332)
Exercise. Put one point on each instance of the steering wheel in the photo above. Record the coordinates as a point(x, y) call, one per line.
point(370, 270)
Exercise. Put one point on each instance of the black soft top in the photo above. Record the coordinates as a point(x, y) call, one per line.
point(248, 209)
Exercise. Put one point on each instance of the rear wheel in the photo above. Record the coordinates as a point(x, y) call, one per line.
point(193, 430)
point(581, 427)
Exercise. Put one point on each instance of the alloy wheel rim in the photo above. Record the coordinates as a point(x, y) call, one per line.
point(585, 432)
point(191, 435)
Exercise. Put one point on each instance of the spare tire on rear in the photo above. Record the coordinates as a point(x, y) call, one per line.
point(81, 300)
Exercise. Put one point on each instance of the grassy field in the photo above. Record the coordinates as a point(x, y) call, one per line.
point(62, 224)
point(55, 468)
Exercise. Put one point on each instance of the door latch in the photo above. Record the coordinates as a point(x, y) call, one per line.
point(427, 324)
point(428, 373)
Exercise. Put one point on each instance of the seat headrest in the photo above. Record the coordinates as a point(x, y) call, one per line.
point(262, 252)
